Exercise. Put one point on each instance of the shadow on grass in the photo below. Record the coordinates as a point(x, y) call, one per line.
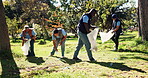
point(119, 66)
point(37, 60)
point(122, 58)
point(133, 51)
point(9, 66)
point(67, 60)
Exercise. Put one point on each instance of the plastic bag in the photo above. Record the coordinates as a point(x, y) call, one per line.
point(26, 47)
point(106, 36)
point(92, 36)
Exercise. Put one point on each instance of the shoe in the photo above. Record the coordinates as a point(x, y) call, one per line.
point(115, 49)
point(51, 55)
point(77, 59)
point(93, 60)
point(63, 57)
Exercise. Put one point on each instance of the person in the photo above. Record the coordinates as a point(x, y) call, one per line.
point(58, 37)
point(27, 34)
point(117, 29)
point(84, 27)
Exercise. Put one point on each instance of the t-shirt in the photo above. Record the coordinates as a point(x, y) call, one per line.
point(27, 34)
point(85, 19)
point(63, 33)
point(116, 24)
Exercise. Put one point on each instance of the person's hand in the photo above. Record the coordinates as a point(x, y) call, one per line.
point(113, 31)
point(61, 43)
point(25, 40)
point(55, 49)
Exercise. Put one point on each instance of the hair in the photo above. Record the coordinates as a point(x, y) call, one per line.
point(55, 32)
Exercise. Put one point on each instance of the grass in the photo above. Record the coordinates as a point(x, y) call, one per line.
point(130, 62)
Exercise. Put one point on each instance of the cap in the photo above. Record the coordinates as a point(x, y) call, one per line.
point(114, 16)
point(26, 26)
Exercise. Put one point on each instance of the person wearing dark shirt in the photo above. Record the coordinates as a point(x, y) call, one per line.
point(117, 29)
point(84, 27)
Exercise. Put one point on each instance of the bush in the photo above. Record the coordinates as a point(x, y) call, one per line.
point(42, 41)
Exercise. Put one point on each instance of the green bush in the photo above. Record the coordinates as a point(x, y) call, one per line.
point(42, 41)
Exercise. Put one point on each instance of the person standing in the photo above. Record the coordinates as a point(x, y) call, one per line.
point(58, 37)
point(117, 29)
point(84, 27)
point(28, 34)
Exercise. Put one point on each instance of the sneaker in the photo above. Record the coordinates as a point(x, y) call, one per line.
point(51, 55)
point(115, 49)
point(77, 59)
point(63, 57)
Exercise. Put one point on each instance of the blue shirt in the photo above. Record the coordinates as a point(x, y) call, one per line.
point(63, 32)
point(116, 24)
point(85, 19)
point(27, 34)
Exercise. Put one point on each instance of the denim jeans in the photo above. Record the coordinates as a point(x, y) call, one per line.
point(83, 40)
point(31, 50)
point(58, 40)
point(115, 40)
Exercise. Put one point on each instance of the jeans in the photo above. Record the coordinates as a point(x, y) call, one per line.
point(83, 40)
point(115, 40)
point(62, 46)
point(31, 50)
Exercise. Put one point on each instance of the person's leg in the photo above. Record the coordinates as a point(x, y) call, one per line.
point(53, 50)
point(85, 40)
point(116, 40)
point(79, 46)
point(63, 48)
point(113, 38)
point(31, 48)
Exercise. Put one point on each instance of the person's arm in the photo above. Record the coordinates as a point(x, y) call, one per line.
point(87, 27)
point(54, 44)
point(117, 27)
point(33, 35)
point(64, 38)
point(85, 22)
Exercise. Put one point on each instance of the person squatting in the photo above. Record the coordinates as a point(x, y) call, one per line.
point(59, 36)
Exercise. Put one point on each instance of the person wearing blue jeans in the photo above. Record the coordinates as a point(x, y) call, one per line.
point(58, 38)
point(84, 28)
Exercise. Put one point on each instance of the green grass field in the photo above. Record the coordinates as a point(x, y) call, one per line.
point(131, 61)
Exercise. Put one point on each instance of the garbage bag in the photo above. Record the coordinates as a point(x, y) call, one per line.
point(92, 36)
point(25, 47)
point(106, 36)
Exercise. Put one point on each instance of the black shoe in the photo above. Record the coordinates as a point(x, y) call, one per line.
point(93, 60)
point(77, 59)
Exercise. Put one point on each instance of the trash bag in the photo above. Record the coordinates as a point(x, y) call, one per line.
point(92, 36)
point(26, 47)
point(106, 36)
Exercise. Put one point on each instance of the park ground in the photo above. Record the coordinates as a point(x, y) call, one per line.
point(131, 61)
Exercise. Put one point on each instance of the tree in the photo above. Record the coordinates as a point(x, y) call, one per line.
point(143, 18)
point(4, 37)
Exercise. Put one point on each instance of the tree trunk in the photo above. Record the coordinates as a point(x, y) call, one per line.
point(143, 16)
point(45, 30)
point(139, 28)
point(4, 37)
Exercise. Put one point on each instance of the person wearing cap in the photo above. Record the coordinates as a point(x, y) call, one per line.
point(58, 37)
point(27, 34)
point(117, 29)
point(84, 27)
